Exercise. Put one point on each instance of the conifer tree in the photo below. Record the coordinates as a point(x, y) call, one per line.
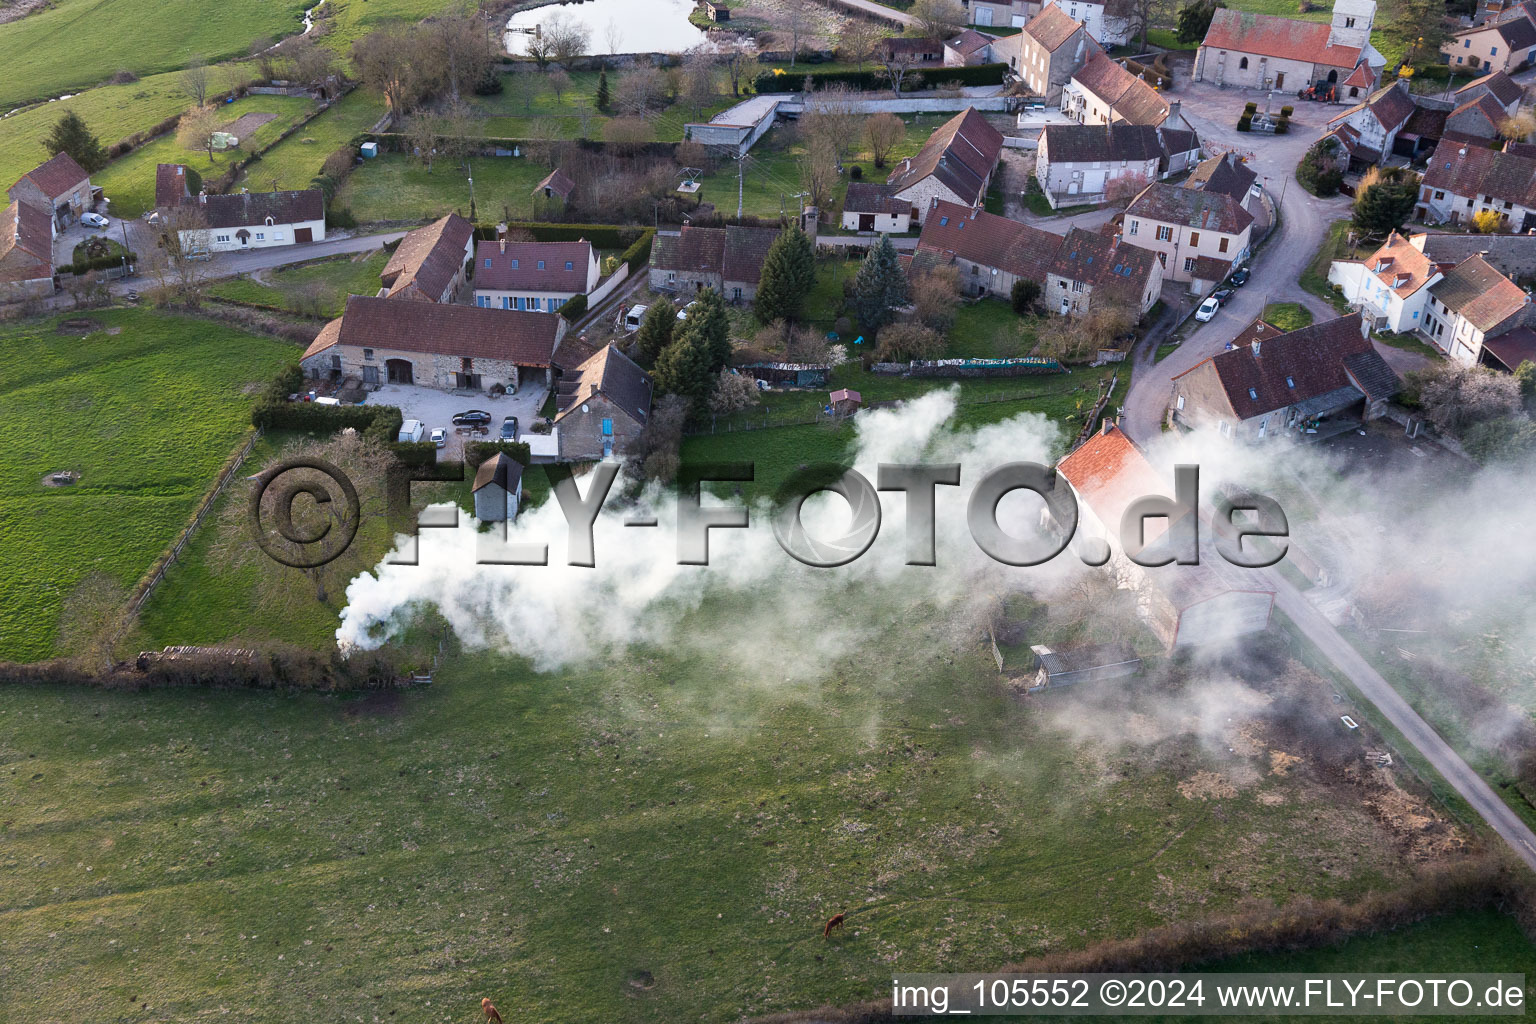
point(789, 273)
point(656, 331)
point(70, 135)
point(879, 288)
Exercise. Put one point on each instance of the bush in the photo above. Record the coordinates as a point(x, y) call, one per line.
point(1024, 295)
point(1245, 123)
point(602, 236)
point(1283, 126)
point(870, 80)
point(1250, 107)
point(1287, 110)
point(340, 217)
point(574, 309)
point(476, 452)
point(856, 173)
point(639, 254)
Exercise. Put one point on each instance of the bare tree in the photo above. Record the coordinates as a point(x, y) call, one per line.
point(898, 70)
point(458, 39)
point(196, 129)
point(392, 61)
point(1518, 126)
point(568, 38)
point(818, 171)
point(193, 82)
point(938, 19)
point(540, 47)
point(178, 262)
point(796, 24)
point(269, 58)
point(1122, 190)
point(858, 40)
point(833, 114)
point(734, 60)
point(526, 87)
point(1078, 338)
point(422, 131)
point(655, 454)
point(559, 84)
point(314, 67)
point(936, 296)
point(732, 392)
point(627, 134)
point(698, 85)
point(1454, 396)
point(883, 133)
point(641, 89)
point(1133, 18)
point(613, 35)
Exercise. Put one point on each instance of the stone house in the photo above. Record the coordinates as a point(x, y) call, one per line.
point(1001, 13)
point(1378, 120)
point(992, 253)
point(498, 489)
point(1506, 92)
point(1392, 286)
point(533, 276)
point(26, 252)
point(955, 165)
point(1079, 163)
point(556, 187)
point(869, 206)
point(729, 260)
point(1102, 91)
point(1199, 235)
point(451, 347)
point(1475, 122)
point(920, 52)
point(1052, 46)
point(1183, 604)
point(1271, 383)
point(1260, 51)
point(1090, 268)
point(1463, 180)
point(968, 48)
point(1501, 45)
point(59, 186)
point(429, 263)
point(1470, 304)
point(603, 403)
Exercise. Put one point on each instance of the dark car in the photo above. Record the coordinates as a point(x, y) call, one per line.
point(472, 418)
point(1223, 295)
point(509, 429)
point(1239, 277)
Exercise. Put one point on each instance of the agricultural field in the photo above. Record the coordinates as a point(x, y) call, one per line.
point(74, 44)
point(294, 162)
point(112, 112)
point(320, 287)
point(130, 181)
point(536, 112)
point(771, 172)
point(399, 189)
point(646, 838)
point(145, 409)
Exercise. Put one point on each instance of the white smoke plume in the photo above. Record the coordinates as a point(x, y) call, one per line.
point(558, 614)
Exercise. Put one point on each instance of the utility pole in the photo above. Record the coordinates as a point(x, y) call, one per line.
point(740, 186)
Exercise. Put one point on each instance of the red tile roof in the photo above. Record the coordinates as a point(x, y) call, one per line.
point(1466, 170)
point(1476, 290)
point(526, 339)
point(1199, 208)
point(1115, 268)
point(1052, 27)
point(26, 243)
point(1129, 96)
point(1400, 265)
point(170, 185)
point(515, 266)
point(1503, 88)
point(558, 183)
point(429, 258)
point(1285, 38)
point(57, 176)
point(961, 154)
point(1109, 472)
point(990, 240)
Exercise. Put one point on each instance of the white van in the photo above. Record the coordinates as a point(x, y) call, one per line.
point(410, 430)
point(634, 318)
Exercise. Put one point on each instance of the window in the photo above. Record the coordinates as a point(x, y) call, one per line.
point(1164, 233)
point(1253, 394)
point(1242, 65)
point(1466, 44)
point(483, 301)
point(1349, 22)
point(1493, 51)
point(1077, 286)
point(506, 302)
point(514, 264)
point(1131, 230)
point(368, 354)
point(336, 363)
point(1189, 264)
point(1194, 238)
point(541, 264)
point(569, 265)
point(1181, 402)
point(487, 263)
point(1290, 382)
point(370, 375)
point(555, 304)
point(1439, 195)
point(221, 238)
point(261, 236)
point(943, 222)
point(1223, 246)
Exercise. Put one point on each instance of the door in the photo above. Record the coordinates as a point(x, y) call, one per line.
point(866, 222)
point(983, 15)
point(244, 237)
point(303, 234)
point(399, 371)
point(1280, 80)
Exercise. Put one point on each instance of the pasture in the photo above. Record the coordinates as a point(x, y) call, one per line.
point(294, 162)
point(649, 837)
point(320, 287)
point(394, 188)
point(145, 409)
point(130, 181)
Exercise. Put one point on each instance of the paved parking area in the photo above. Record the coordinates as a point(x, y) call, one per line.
point(437, 408)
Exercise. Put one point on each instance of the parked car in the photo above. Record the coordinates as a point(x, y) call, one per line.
point(509, 428)
point(1207, 310)
point(682, 314)
point(634, 318)
point(94, 220)
point(1223, 295)
point(440, 437)
point(1239, 277)
point(472, 418)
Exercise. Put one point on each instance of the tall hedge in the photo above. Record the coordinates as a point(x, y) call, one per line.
point(871, 80)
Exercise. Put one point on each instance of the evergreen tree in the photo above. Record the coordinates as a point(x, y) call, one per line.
point(789, 274)
point(602, 90)
point(70, 135)
point(683, 370)
point(1195, 19)
point(713, 325)
point(879, 288)
point(656, 331)
point(1385, 202)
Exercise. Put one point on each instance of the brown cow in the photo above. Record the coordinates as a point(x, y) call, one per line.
point(835, 921)
point(490, 1011)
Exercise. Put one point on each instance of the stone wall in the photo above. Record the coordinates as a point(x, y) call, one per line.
point(581, 433)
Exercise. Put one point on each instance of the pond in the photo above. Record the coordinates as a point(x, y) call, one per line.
point(616, 26)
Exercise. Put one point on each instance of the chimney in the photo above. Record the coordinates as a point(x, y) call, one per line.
point(1173, 109)
point(502, 244)
point(501, 230)
point(1255, 347)
point(1106, 426)
point(202, 197)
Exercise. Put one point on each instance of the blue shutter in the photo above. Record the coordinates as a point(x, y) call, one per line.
point(607, 428)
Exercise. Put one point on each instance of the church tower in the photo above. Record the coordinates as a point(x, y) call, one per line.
point(1352, 21)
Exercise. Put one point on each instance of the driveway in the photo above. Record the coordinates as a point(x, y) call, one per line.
point(233, 264)
point(437, 408)
point(1304, 221)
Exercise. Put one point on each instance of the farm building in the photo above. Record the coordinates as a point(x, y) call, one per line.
point(26, 252)
point(429, 264)
point(603, 403)
point(498, 488)
point(1090, 663)
point(59, 186)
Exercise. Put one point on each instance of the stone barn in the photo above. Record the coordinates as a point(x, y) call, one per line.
point(498, 488)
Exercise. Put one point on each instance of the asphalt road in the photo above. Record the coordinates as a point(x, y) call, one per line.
point(1407, 721)
point(231, 264)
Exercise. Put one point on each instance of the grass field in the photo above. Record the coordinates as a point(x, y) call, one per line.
point(296, 160)
point(146, 415)
point(78, 43)
point(394, 187)
point(771, 173)
point(542, 114)
point(1288, 316)
point(328, 281)
point(650, 839)
point(130, 181)
point(112, 112)
point(1315, 278)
